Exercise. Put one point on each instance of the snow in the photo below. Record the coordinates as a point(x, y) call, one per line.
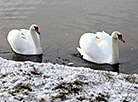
point(46, 82)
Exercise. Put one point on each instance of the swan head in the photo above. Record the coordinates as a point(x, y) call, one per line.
point(117, 35)
point(35, 28)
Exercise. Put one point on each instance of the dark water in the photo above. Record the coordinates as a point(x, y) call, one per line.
point(62, 22)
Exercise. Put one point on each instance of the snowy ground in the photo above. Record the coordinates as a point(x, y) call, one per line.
point(46, 82)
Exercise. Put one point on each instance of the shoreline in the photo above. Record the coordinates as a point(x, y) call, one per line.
point(29, 81)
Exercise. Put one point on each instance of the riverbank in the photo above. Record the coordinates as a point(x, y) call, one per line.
point(35, 82)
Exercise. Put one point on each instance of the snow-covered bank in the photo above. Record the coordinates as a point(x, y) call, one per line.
point(46, 82)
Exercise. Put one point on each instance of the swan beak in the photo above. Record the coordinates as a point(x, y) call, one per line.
point(37, 31)
point(120, 38)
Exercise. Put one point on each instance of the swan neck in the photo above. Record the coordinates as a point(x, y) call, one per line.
point(35, 38)
point(115, 53)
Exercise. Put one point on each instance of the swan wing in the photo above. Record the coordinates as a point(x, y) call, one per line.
point(90, 50)
point(102, 36)
point(27, 34)
point(104, 41)
point(20, 42)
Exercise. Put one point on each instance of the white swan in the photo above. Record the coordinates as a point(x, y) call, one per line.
point(100, 48)
point(26, 42)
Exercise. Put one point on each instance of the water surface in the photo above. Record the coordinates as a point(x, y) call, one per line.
point(62, 22)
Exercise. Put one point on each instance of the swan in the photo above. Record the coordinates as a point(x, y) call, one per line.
point(25, 42)
point(100, 48)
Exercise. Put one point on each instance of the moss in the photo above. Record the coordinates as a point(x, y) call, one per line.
point(99, 98)
point(81, 98)
point(20, 87)
point(70, 85)
point(4, 75)
point(62, 96)
point(23, 86)
point(60, 86)
point(42, 100)
point(125, 101)
point(131, 79)
point(19, 98)
point(102, 97)
point(36, 72)
point(69, 88)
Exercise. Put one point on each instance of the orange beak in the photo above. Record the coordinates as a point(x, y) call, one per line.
point(120, 38)
point(36, 29)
